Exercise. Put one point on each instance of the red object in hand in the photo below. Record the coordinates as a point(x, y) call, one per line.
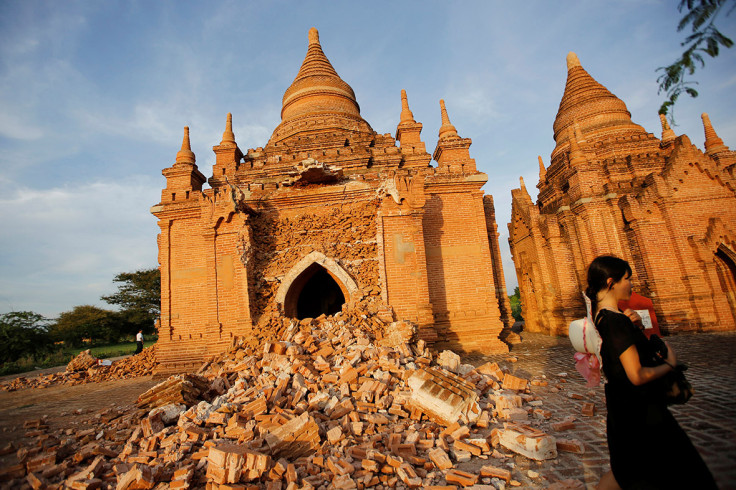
point(639, 302)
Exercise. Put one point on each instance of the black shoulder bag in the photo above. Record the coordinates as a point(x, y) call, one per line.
point(676, 388)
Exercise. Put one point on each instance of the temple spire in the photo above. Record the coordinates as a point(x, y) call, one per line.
point(713, 144)
point(228, 136)
point(667, 133)
point(600, 114)
point(406, 114)
point(447, 130)
point(317, 87)
point(185, 155)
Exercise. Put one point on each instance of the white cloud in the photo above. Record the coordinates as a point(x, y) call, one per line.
point(62, 244)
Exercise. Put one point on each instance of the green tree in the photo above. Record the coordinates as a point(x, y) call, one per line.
point(22, 333)
point(704, 39)
point(139, 297)
point(84, 323)
point(515, 300)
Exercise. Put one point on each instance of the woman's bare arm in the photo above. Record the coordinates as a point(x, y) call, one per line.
point(638, 374)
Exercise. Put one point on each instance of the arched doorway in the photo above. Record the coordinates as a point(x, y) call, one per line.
point(316, 285)
point(726, 270)
point(313, 293)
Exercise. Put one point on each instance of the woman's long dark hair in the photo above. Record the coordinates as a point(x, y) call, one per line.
point(599, 271)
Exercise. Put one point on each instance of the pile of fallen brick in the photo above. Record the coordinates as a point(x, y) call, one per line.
point(85, 368)
point(325, 406)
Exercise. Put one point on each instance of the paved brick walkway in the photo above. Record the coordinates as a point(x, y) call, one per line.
point(709, 418)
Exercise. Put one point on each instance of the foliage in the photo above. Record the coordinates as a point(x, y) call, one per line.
point(705, 39)
point(22, 333)
point(139, 296)
point(87, 323)
point(515, 300)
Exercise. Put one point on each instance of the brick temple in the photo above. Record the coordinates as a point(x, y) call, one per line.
point(662, 204)
point(327, 216)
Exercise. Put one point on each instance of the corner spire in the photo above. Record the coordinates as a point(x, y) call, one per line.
point(406, 114)
point(542, 170)
point(228, 136)
point(523, 186)
point(447, 130)
point(408, 133)
point(713, 144)
point(185, 155)
point(667, 133)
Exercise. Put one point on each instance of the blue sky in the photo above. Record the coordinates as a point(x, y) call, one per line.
point(94, 96)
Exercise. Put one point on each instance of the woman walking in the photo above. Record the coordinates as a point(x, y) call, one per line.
point(648, 448)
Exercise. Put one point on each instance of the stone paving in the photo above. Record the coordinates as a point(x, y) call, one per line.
point(709, 418)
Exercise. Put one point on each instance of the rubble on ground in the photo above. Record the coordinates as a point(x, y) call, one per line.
point(327, 405)
point(86, 368)
point(82, 362)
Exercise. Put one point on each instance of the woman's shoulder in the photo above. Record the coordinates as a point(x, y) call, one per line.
point(612, 316)
point(615, 324)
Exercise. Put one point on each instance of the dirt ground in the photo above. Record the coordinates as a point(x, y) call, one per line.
point(65, 406)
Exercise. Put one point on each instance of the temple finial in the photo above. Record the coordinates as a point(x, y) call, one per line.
point(185, 155)
point(313, 36)
point(406, 114)
point(228, 136)
point(713, 144)
point(572, 61)
point(667, 133)
point(447, 129)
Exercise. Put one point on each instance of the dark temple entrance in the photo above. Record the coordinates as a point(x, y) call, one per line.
point(313, 293)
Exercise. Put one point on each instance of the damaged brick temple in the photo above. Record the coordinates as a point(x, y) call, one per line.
point(329, 216)
point(662, 204)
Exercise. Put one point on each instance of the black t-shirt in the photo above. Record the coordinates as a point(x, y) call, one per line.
point(618, 333)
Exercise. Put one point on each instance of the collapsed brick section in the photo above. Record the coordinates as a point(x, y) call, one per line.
point(346, 233)
point(663, 205)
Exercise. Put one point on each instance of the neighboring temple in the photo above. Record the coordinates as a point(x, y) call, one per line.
point(661, 204)
point(328, 215)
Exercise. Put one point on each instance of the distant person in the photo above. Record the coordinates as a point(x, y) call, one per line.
point(139, 342)
point(648, 448)
point(640, 310)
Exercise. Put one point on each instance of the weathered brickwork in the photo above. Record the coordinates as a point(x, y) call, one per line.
point(663, 205)
point(329, 217)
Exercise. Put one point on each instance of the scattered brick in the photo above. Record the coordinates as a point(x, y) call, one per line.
point(462, 478)
point(529, 442)
point(588, 409)
point(570, 446)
